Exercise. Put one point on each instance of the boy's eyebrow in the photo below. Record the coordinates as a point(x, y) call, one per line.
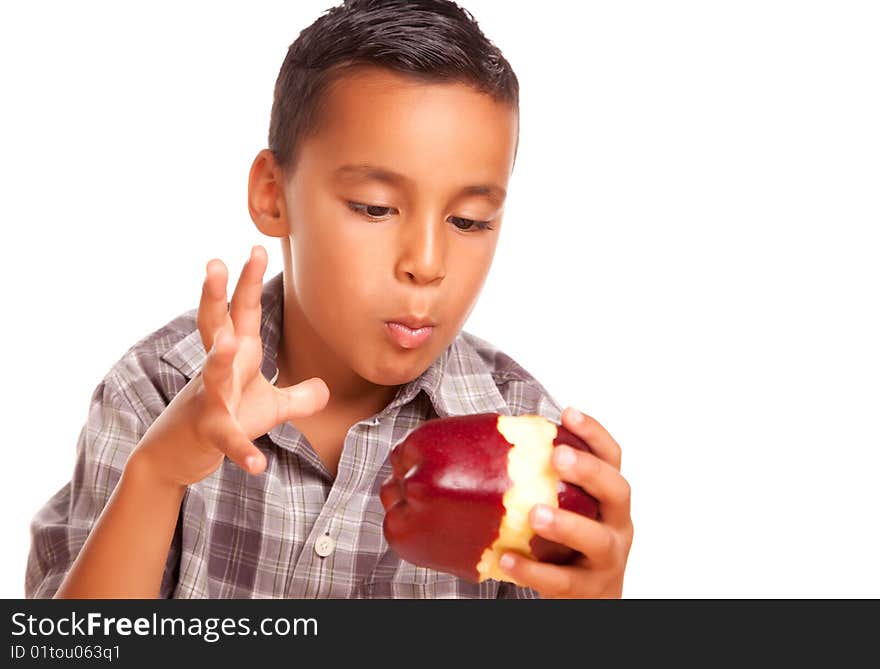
point(365, 171)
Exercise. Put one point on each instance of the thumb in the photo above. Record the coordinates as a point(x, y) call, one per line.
point(302, 399)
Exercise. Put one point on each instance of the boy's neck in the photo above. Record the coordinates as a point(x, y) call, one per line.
point(302, 355)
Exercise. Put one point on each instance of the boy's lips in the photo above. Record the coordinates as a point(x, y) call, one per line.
point(413, 322)
point(407, 337)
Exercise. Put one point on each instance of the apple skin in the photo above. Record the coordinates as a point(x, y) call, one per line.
point(444, 497)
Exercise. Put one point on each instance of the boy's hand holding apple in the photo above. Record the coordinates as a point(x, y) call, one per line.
point(515, 498)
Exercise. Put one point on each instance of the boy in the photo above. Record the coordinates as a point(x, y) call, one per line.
point(238, 451)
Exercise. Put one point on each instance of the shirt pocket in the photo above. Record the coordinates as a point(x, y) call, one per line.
point(412, 582)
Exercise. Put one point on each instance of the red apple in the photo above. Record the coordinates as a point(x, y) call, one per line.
point(461, 489)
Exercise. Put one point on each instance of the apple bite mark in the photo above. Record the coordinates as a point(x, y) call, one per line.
point(534, 481)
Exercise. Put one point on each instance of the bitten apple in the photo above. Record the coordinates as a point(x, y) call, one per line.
point(461, 488)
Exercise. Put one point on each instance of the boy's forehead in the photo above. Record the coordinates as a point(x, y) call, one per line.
point(373, 115)
point(378, 81)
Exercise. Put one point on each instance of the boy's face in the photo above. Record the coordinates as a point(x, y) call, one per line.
point(366, 250)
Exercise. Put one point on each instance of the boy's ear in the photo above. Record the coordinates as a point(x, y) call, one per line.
point(266, 195)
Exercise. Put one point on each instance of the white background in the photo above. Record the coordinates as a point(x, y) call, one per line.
point(689, 251)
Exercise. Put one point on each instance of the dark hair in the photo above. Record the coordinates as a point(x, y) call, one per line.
point(431, 41)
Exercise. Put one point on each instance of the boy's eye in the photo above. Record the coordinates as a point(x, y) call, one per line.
point(375, 211)
point(471, 224)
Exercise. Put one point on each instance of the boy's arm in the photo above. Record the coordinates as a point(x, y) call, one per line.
point(62, 527)
point(122, 533)
point(124, 555)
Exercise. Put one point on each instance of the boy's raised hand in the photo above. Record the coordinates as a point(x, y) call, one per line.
point(229, 403)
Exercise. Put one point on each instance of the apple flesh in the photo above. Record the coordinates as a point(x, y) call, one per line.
point(461, 488)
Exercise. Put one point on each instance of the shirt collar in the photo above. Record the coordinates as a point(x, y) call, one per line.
point(458, 382)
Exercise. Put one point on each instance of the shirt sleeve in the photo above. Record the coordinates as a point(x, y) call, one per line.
point(60, 528)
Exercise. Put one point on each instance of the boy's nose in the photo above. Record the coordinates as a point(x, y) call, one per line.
point(422, 251)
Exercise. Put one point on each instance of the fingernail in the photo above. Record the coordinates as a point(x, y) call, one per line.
point(507, 561)
point(250, 462)
point(575, 416)
point(542, 516)
point(564, 456)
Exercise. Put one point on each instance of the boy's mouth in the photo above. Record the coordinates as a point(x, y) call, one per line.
point(407, 337)
point(413, 322)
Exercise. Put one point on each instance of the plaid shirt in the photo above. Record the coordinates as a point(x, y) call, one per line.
point(244, 536)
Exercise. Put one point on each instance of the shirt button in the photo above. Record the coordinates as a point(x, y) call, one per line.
point(324, 546)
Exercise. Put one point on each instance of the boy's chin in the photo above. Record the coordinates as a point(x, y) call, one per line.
point(400, 370)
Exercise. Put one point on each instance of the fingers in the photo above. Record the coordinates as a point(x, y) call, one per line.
point(217, 371)
point(245, 308)
point(597, 477)
point(300, 400)
point(220, 329)
point(596, 436)
point(212, 312)
point(594, 539)
point(220, 428)
point(227, 436)
point(550, 580)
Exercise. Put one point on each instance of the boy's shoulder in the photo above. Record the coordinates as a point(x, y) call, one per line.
point(478, 376)
point(499, 364)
